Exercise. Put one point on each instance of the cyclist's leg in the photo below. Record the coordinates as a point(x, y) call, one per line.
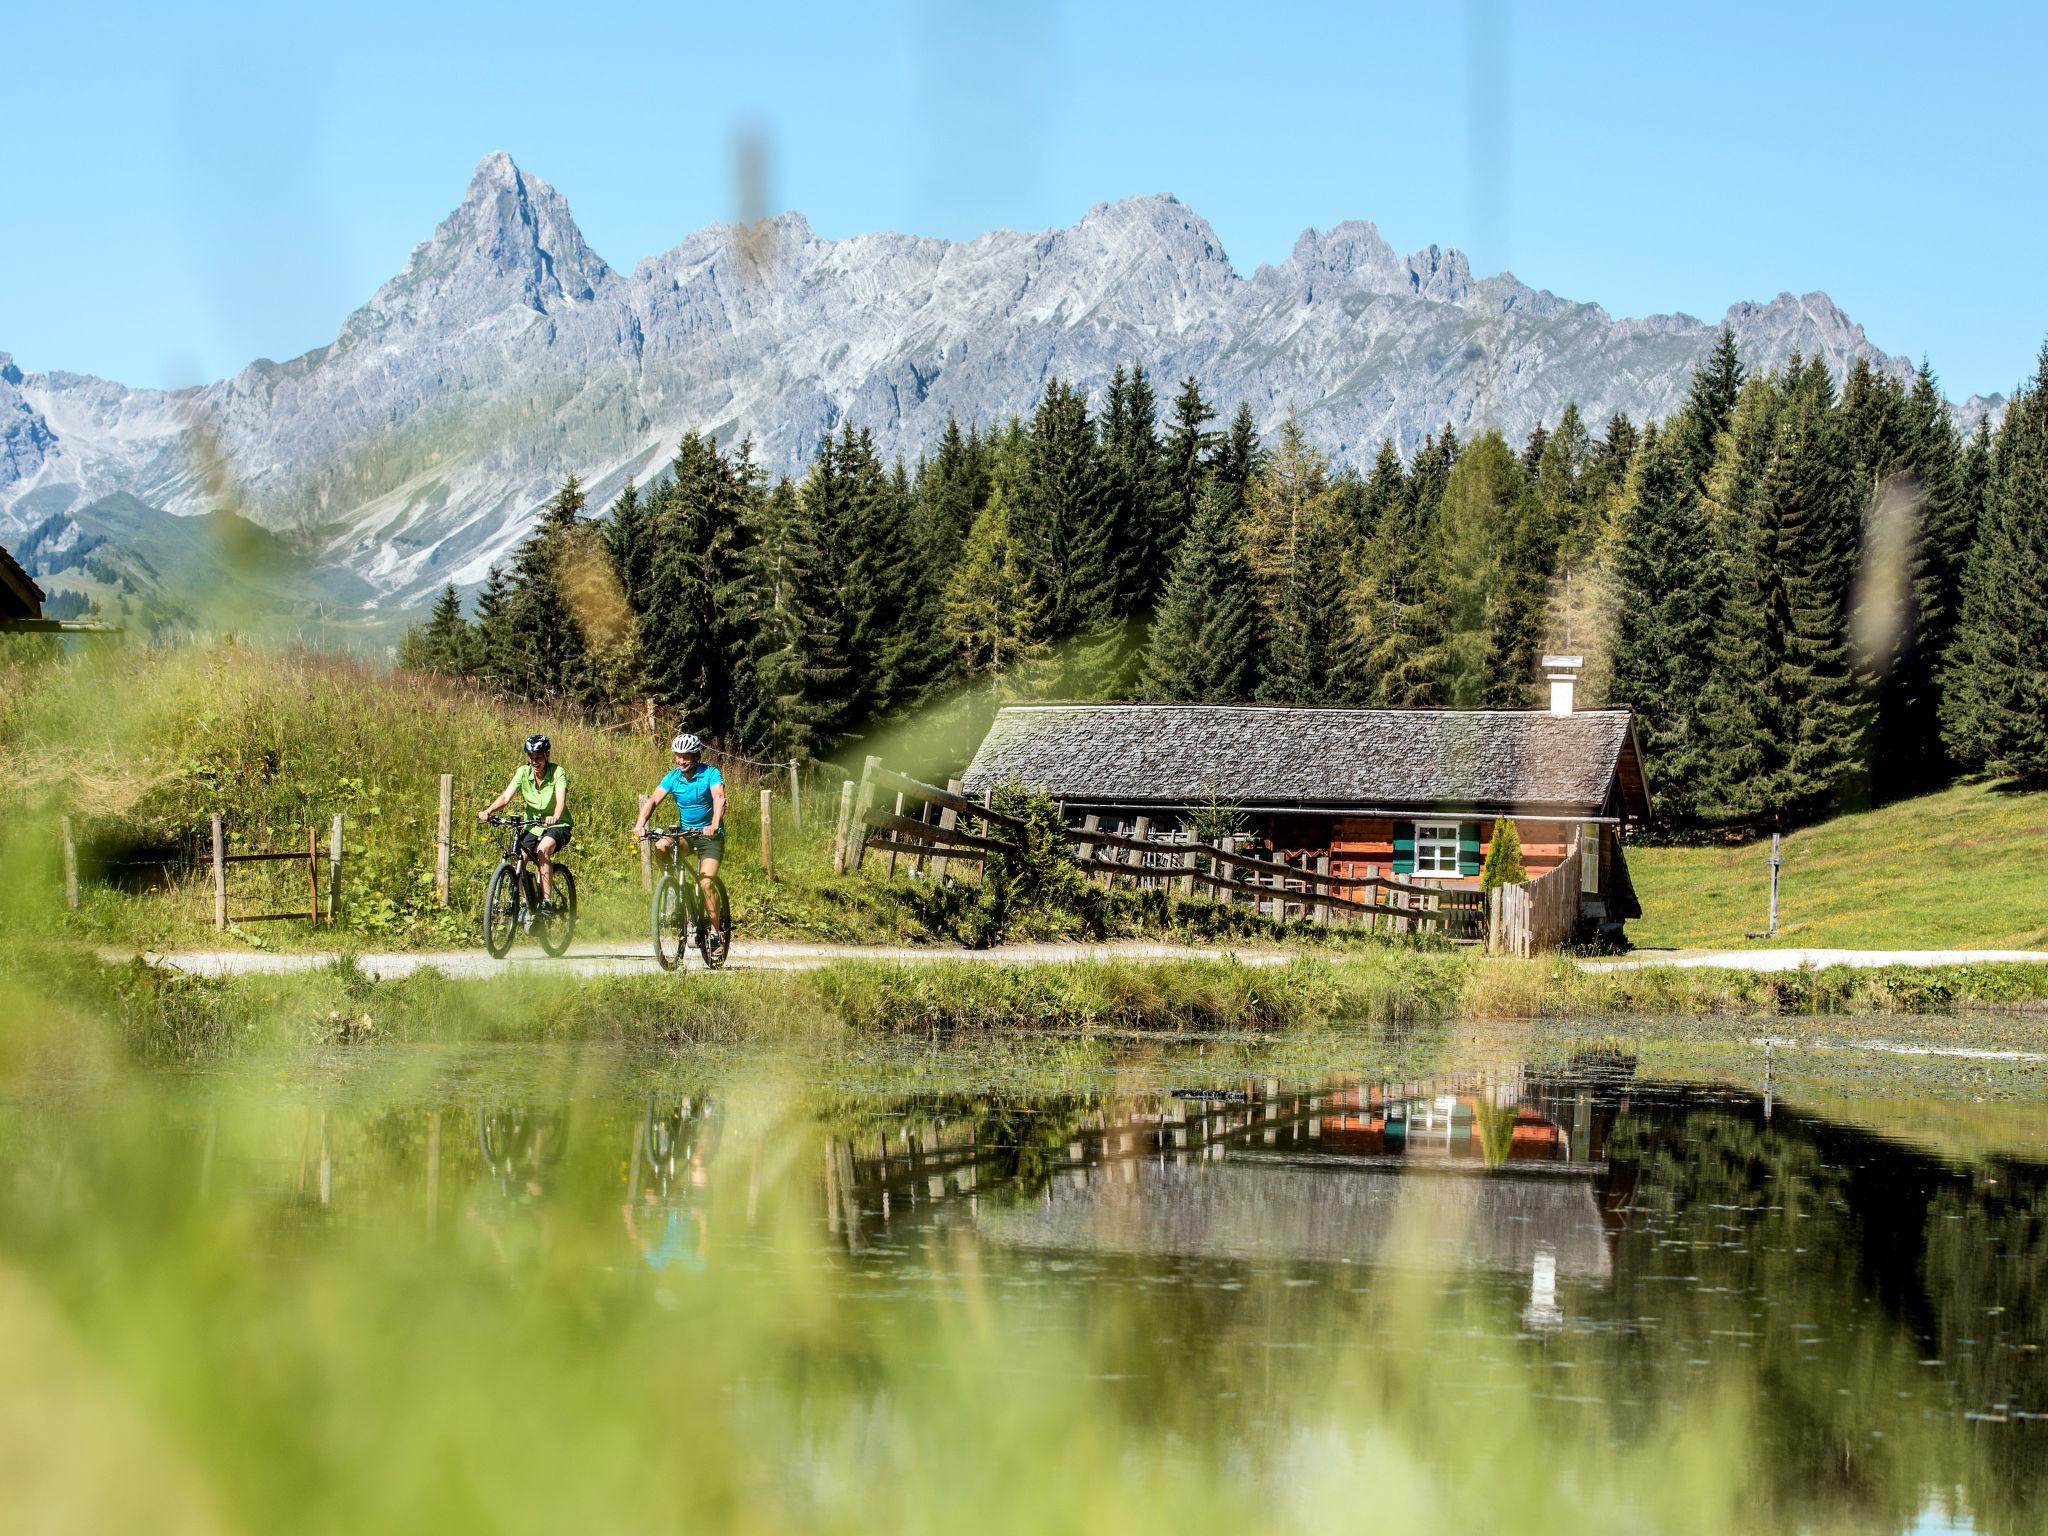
point(707, 868)
point(544, 855)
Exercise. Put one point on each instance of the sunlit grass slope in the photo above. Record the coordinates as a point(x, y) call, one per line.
point(1966, 868)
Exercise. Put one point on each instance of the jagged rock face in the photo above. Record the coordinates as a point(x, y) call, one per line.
point(507, 354)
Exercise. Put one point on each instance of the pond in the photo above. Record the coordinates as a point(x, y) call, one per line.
point(553, 1288)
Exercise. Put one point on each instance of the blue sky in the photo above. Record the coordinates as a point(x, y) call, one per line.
point(190, 191)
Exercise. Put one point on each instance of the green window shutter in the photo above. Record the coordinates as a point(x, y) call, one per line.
point(1468, 847)
point(1404, 847)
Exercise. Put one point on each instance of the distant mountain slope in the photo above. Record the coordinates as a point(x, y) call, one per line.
point(414, 448)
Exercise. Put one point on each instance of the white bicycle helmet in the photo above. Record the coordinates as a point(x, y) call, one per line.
point(686, 743)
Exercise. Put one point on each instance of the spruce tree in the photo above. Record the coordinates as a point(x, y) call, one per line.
point(1239, 458)
point(690, 638)
point(487, 658)
point(1503, 864)
point(446, 643)
point(801, 659)
point(1060, 518)
point(1995, 707)
point(1483, 500)
point(1139, 513)
point(1189, 446)
point(951, 488)
point(1311, 655)
point(1392, 573)
point(542, 646)
point(1669, 592)
point(991, 607)
point(1204, 644)
point(626, 543)
point(893, 633)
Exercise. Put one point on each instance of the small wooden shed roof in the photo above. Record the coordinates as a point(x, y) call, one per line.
point(1356, 761)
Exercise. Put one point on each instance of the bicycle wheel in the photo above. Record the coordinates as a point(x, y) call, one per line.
point(715, 945)
point(556, 928)
point(670, 916)
point(501, 911)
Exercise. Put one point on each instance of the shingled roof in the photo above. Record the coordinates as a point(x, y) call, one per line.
point(20, 597)
point(1256, 757)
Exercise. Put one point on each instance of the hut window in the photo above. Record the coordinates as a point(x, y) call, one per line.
point(1436, 848)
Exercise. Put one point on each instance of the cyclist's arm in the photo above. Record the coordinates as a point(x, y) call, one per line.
point(717, 809)
point(502, 801)
point(647, 810)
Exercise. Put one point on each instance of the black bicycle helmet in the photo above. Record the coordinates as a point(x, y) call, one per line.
point(537, 743)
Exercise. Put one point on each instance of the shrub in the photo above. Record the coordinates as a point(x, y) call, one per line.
point(1503, 857)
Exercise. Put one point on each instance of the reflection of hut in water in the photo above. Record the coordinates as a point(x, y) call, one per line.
point(1466, 1172)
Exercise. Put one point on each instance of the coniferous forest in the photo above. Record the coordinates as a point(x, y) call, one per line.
point(1813, 597)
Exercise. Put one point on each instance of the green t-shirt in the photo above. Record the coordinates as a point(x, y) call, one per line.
point(538, 798)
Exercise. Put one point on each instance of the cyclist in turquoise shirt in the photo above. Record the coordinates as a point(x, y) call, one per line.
point(698, 790)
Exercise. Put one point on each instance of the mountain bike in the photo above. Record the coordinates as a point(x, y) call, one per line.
point(512, 903)
point(679, 907)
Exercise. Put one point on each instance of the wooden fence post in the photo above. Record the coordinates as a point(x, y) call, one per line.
point(767, 838)
point(334, 872)
point(70, 867)
point(857, 846)
point(946, 823)
point(441, 839)
point(796, 801)
point(894, 837)
point(839, 834)
point(646, 850)
point(1228, 872)
point(1141, 829)
point(1322, 890)
point(1187, 881)
point(220, 874)
point(312, 876)
point(1089, 850)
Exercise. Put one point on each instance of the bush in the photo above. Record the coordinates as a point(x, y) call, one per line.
point(1503, 857)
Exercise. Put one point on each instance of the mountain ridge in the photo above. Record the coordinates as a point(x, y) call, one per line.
point(507, 353)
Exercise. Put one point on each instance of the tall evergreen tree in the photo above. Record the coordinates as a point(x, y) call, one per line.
point(445, 643)
point(1137, 494)
point(1709, 406)
point(951, 488)
point(992, 608)
point(1189, 447)
point(488, 660)
point(1311, 655)
point(801, 657)
point(1396, 589)
point(694, 629)
point(1239, 457)
point(1787, 718)
point(1059, 520)
point(1484, 499)
point(1204, 645)
point(626, 543)
point(1995, 708)
point(542, 643)
point(1669, 591)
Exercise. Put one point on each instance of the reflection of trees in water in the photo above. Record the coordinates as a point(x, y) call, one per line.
point(1847, 1260)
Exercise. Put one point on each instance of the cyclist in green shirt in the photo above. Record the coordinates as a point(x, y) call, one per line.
point(542, 789)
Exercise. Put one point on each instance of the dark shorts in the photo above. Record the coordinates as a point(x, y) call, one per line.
point(530, 840)
point(703, 844)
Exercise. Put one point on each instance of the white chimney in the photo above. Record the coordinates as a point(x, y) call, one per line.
point(1563, 672)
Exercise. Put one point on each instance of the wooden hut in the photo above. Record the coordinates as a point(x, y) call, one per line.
point(1410, 793)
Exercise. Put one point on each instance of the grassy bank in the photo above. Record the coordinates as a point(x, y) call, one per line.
point(1958, 869)
point(140, 747)
point(166, 1015)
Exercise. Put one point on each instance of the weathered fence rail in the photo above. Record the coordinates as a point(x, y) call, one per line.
point(311, 858)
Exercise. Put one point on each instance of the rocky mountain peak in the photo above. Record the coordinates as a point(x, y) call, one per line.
point(511, 244)
point(9, 374)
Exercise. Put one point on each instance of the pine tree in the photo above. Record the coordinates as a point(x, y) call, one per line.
point(446, 643)
point(687, 639)
point(1669, 591)
point(487, 658)
point(1204, 645)
point(1787, 719)
point(1709, 406)
point(1995, 708)
point(801, 661)
point(1288, 497)
point(625, 541)
point(1311, 656)
point(1059, 520)
point(991, 607)
point(542, 645)
point(1189, 446)
point(1485, 498)
point(1393, 575)
point(951, 489)
point(893, 632)
point(1239, 458)
point(1137, 495)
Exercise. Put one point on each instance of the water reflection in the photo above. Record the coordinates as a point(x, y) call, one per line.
point(1662, 1305)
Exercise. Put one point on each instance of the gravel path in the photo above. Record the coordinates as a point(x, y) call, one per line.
point(630, 959)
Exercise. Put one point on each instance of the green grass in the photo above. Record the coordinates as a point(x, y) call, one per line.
point(1961, 869)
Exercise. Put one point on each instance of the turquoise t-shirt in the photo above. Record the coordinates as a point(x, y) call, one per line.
point(693, 795)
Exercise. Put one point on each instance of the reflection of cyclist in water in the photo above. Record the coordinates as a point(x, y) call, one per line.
point(520, 1147)
point(671, 1183)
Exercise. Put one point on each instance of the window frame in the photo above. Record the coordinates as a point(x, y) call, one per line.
point(1432, 834)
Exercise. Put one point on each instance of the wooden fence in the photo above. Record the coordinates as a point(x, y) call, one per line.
point(311, 857)
point(932, 841)
point(1536, 915)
